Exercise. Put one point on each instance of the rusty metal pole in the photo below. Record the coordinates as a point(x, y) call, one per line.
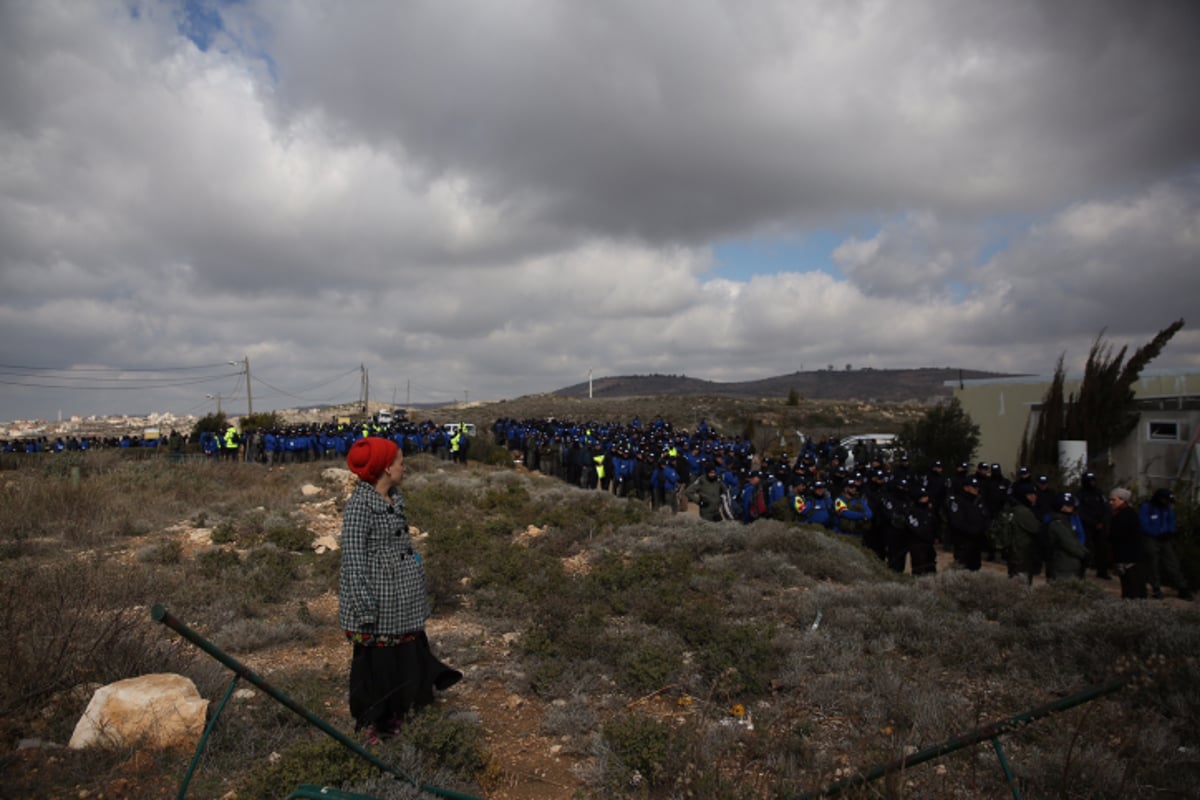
point(991, 731)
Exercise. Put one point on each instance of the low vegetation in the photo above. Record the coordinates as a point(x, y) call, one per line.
point(674, 658)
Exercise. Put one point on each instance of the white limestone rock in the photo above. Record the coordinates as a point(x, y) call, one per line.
point(158, 711)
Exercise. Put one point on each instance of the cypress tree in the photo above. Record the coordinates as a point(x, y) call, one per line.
point(1104, 411)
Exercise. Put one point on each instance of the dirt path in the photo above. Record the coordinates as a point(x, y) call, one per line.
point(524, 764)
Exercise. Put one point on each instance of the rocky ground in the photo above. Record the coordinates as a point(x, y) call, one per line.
point(526, 764)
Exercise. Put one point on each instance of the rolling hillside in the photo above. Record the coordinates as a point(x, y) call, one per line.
point(876, 385)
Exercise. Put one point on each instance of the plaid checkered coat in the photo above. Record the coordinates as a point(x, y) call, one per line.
point(381, 588)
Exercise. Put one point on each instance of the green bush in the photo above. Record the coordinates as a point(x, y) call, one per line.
point(1187, 543)
point(510, 497)
point(946, 433)
point(216, 562)
point(572, 716)
point(167, 551)
point(643, 666)
point(643, 750)
point(559, 647)
point(649, 586)
point(269, 573)
point(295, 538)
point(324, 569)
point(737, 660)
point(451, 743)
point(318, 761)
point(224, 533)
point(520, 581)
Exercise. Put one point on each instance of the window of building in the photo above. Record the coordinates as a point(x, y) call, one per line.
point(1162, 431)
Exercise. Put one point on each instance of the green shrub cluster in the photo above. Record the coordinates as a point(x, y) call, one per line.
point(318, 761)
point(167, 551)
point(224, 533)
point(295, 538)
point(450, 741)
point(644, 752)
point(265, 574)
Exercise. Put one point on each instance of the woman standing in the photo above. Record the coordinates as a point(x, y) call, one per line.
point(382, 604)
point(1128, 555)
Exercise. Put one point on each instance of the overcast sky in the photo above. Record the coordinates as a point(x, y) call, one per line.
point(481, 200)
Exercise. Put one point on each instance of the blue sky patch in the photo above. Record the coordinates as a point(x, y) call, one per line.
point(201, 22)
point(742, 259)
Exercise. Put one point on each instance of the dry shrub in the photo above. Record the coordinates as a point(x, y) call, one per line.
point(76, 622)
point(165, 551)
point(115, 498)
point(641, 751)
point(570, 716)
point(250, 635)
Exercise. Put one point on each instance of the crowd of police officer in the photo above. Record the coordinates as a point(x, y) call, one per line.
point(900, 515)
point(83, 443)
point(331, 441)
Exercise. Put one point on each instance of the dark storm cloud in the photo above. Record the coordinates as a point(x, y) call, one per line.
point(632, 117)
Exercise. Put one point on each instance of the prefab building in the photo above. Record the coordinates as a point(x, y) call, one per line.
point(1161, 451)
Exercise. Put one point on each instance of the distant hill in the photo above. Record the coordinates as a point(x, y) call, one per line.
point(879, 385)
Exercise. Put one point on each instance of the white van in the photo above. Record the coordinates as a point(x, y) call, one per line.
point(451, 427)
point(386, 416)
point(885, 444)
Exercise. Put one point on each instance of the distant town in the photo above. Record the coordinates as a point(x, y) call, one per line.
point(150, 425)
point(96, 426)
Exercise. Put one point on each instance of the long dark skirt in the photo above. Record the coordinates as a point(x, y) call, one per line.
point(1133, 581)
point(388, 682)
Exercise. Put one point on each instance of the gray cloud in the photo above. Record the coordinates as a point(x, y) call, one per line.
point(495, 199)
point(626, 116)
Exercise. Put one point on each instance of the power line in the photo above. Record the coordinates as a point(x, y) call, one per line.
point(283, 392)
point(138, 384)
point(141, 379)
point(110, 369)
point(306, 389)
point(105, 378)
point(310, 387)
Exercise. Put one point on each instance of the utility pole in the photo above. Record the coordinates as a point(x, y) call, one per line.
point(245, 364)
point(249, 397)
point(217, 397)
point(589, 384)
point(366, 383)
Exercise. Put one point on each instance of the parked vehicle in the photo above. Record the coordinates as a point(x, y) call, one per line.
point(387, 416)
point(882, 443)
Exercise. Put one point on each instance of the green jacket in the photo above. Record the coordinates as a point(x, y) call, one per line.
point(706, 494)
point(1066, 553)
point(1024, 546)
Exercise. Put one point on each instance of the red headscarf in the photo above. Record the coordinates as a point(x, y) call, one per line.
point(369, 457)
